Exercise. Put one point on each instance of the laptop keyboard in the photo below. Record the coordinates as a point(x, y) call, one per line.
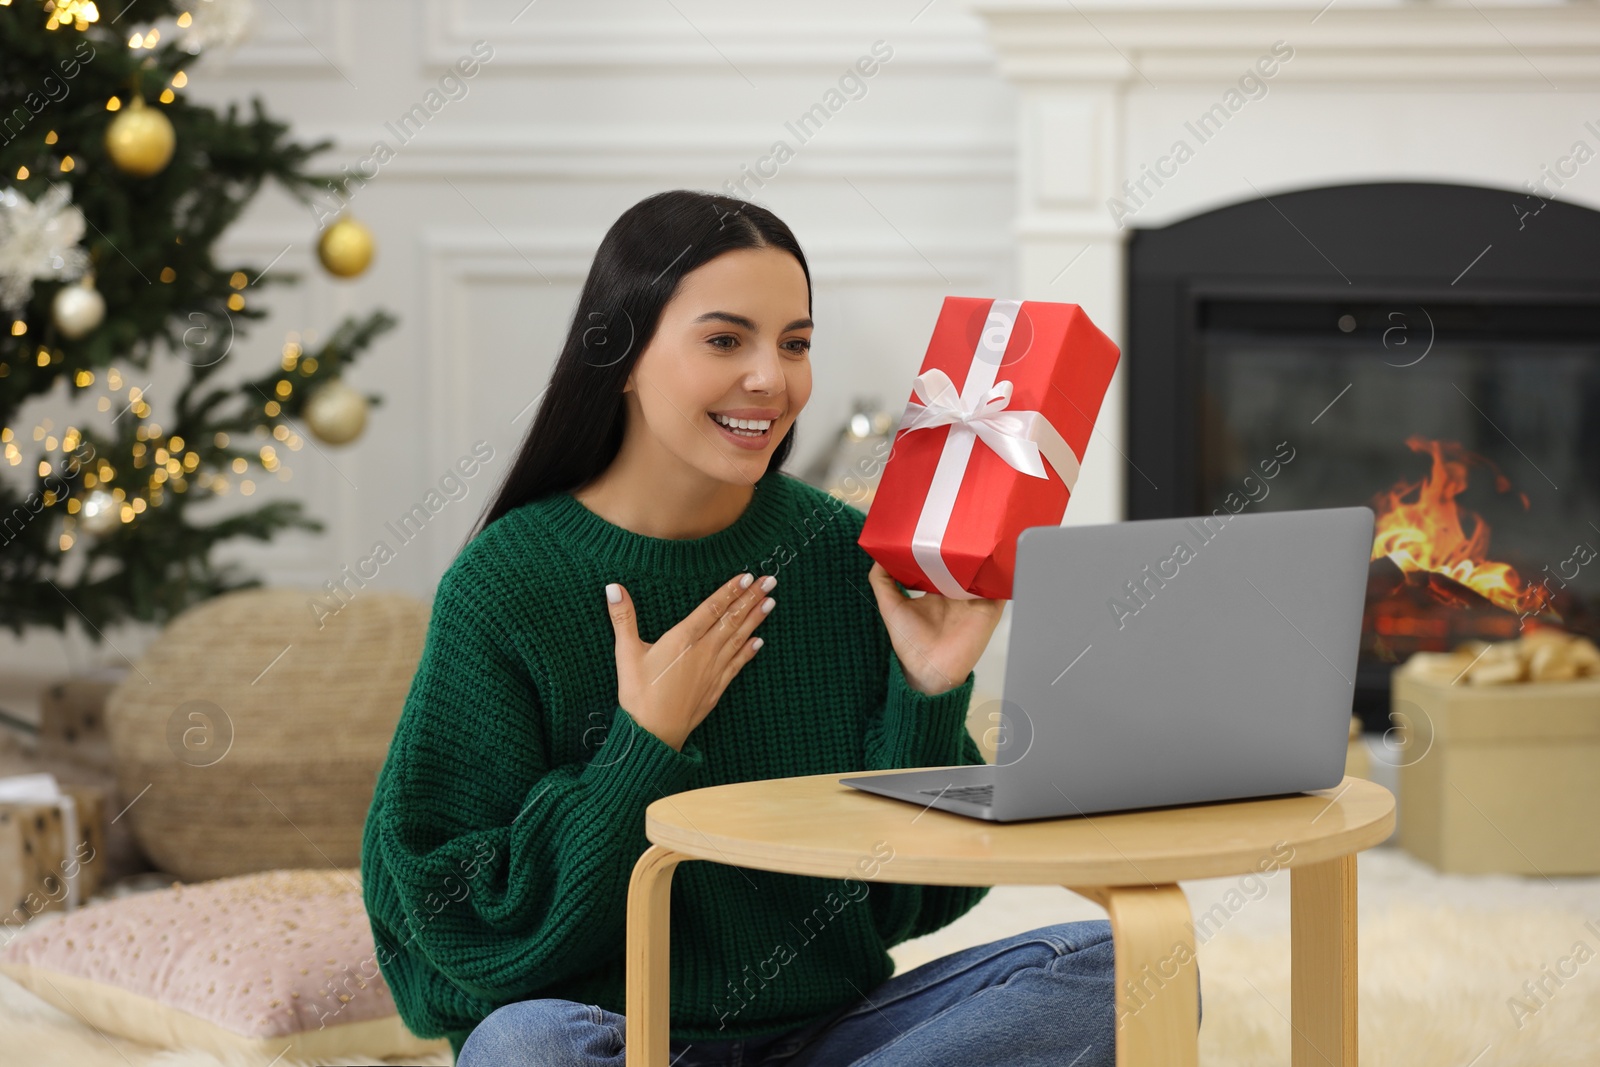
point(973, 794)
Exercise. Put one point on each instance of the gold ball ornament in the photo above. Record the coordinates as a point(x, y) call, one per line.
point(140, 139)
point(336, 413)
point(345, 248)
point(101, 513)
point(78, 309)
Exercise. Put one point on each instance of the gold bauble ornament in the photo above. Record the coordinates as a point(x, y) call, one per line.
point(336, 413)
point(345, 247)
point(140, 139)
point(101, 513)
point(77, 309)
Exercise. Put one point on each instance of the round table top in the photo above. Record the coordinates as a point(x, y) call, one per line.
point(812, 825)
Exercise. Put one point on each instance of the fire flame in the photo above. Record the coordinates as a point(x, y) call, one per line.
point(1419, 527)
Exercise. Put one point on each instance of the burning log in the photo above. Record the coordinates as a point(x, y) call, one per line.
point(1421, 530)
point(1411, 611)
point(1431, 582)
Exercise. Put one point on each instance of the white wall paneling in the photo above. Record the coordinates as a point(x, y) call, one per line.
point(1380, 90)
point(487, 212)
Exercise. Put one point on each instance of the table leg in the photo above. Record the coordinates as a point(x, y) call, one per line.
point(1322, 968)
point(649, 1002)
point(1158, 984)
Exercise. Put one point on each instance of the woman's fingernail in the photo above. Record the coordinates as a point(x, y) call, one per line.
point(766, 605)
point(614, 593)
point(745, 580)
point(757, 643)
point(768, 582)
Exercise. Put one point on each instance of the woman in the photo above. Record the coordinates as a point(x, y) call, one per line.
point(546, 716)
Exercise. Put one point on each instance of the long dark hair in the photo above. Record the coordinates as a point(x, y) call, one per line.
point(579, 426)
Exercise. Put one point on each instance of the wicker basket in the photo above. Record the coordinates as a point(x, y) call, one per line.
point(250, 735)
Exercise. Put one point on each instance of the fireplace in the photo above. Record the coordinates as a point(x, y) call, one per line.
point(1431, 350)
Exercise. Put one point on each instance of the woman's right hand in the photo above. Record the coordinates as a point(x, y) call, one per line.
point(670, 685)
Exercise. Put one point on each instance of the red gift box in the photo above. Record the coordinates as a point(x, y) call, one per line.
point(989, 444)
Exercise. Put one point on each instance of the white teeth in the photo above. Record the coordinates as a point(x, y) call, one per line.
point(755, 425)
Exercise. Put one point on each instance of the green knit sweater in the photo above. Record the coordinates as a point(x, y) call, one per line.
point(509, 811)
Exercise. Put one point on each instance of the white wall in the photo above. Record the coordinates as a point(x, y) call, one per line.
point(487, 218)
point(1485, 92)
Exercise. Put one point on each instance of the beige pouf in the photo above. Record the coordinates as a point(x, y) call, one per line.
point(251, 734)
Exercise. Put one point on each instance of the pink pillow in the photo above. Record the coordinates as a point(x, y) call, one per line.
point(253, 962)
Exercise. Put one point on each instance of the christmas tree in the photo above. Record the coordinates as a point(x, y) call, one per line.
point(113, 188)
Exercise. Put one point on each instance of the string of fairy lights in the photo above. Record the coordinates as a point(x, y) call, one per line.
point(164, 462)
point(160, 461)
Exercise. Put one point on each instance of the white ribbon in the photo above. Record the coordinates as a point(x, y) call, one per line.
point(979, 411)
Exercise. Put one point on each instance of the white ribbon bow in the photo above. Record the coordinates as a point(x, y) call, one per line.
point(1018, 437)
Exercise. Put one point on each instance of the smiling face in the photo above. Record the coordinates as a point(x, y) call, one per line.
point(728, 368)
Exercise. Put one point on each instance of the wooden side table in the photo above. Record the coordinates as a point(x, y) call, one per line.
point(1129, 863)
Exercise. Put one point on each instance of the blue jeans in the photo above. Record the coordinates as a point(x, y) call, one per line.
point(1042, 997)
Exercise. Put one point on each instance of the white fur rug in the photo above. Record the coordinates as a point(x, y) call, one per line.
point(1442, 959)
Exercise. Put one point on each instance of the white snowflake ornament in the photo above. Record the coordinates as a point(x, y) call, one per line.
point(38, 240)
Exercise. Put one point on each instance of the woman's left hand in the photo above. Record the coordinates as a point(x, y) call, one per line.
point(937, 638)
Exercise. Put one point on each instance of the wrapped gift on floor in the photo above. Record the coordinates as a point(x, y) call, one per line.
point(990, 443)
point(1497, 769)
point(51, 837)
point(72, 721)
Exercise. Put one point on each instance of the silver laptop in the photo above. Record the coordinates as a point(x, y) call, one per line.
point(1168, 661)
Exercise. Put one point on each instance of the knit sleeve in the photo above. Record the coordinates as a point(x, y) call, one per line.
point(511, 872)
point(942, 905)
point(912, 729)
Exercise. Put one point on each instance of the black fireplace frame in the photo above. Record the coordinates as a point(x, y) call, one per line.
point(1397, 243)
point(1468, 250)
